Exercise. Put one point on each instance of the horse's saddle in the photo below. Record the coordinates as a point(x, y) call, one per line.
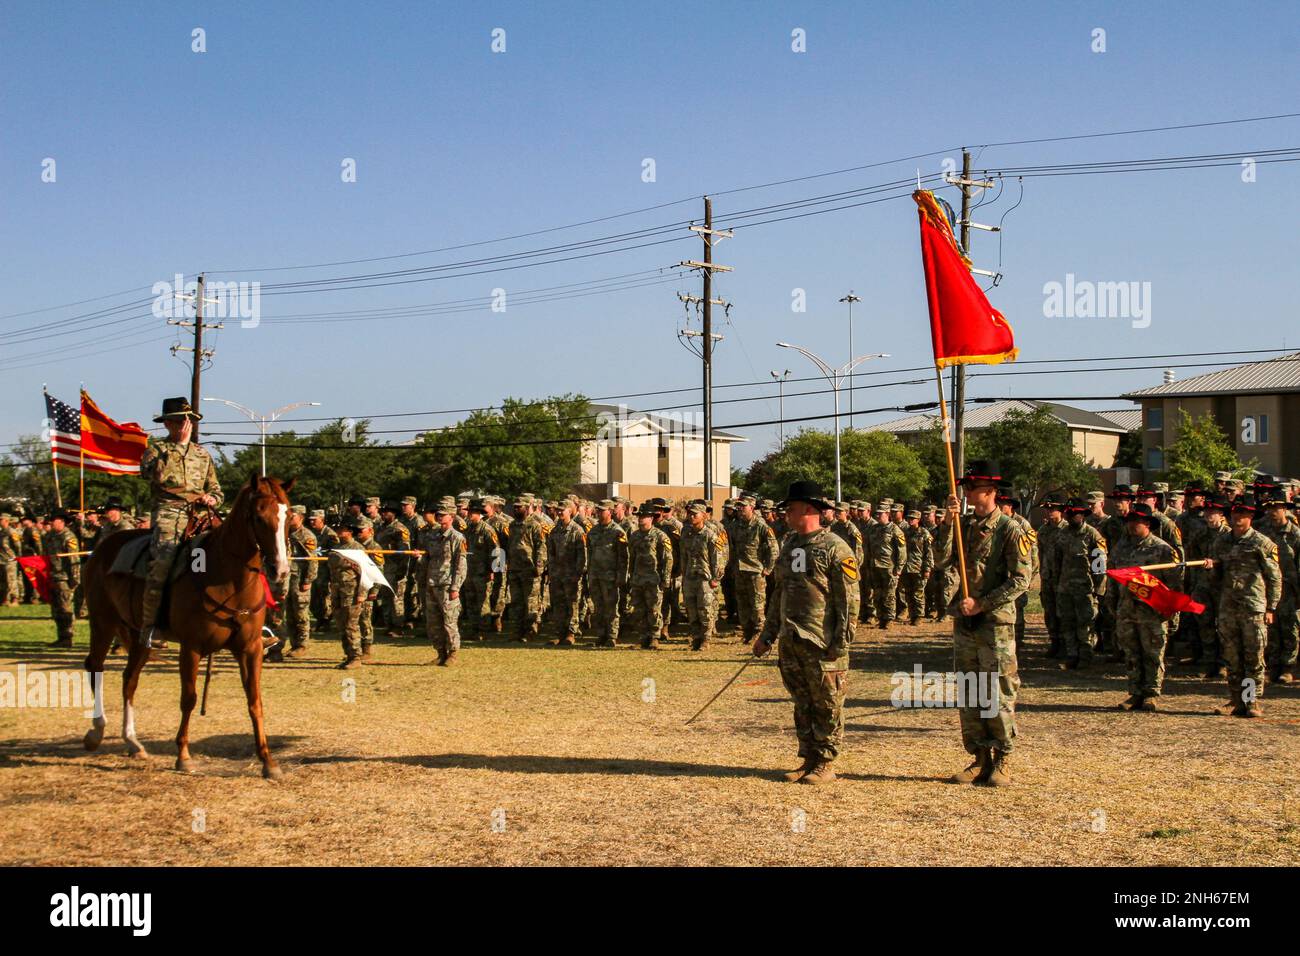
point(133, 558)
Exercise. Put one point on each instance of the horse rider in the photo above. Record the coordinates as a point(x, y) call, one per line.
point(180, 474)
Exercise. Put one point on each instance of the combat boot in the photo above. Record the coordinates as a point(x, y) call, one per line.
point(299, 652)
point(1069, 664)
point(1000, 772)
point(350, 664)
point(1133, 702)
point(366, 656)
point(1253, 709)
point(61, 642)
point(1054, 648)
point(1234, 707)
point(794, 776)
point(1285, 677)
point(823, 772)
point(1215, 671)
point(1148, 704)
point(448, 659)
point(978, 771)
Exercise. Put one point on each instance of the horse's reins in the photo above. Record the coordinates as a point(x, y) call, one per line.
point(195, 526)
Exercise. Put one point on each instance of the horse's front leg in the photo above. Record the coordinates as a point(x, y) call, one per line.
point(250, 672)
point(190, 658)
point(130, 679)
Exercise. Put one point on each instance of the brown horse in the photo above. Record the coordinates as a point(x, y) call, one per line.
point(218, 601)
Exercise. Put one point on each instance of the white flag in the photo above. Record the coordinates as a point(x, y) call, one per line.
point(371, 576)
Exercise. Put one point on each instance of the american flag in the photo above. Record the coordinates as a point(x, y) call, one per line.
point(64, 423)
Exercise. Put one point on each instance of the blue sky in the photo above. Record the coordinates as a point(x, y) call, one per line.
point(173, 161)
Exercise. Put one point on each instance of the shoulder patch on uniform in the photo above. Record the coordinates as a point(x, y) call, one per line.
point(1023, 544)
point(464, 545)
point(850, 568)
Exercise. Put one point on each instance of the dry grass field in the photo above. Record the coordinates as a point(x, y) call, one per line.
point(536, 755)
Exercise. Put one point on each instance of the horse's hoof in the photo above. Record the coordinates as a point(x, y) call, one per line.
point(136, 751)
point(272, 772)
point(92, 739)
point(184, 766)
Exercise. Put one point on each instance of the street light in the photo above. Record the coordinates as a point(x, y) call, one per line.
point(836, 377)
point(780, 399)
point(261, 420)
point(850, 299)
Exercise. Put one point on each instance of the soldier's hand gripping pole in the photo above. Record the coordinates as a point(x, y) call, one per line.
point(724, 688)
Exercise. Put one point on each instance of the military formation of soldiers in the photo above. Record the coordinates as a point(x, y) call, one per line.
point(800, 575)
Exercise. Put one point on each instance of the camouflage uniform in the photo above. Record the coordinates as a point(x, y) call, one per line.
point(499, 594)
point(916, 570)
point(703, 558)
point(865, 607)
point(366, 621)
point(607, 574)
point(1282, 633)
point(673, 592)
point(65, 576)
point(1139, 630)
point(525, 565)
point(998, 569)
point(481, 562)
point(393, 535)
point(302, 574)
point(566, 560)
point(348, 598)
point(11, 544)
point(414, 582)
point(812, 625)
point(753, 550)
point(1076, 561)
point(445, 569)
point(886, 554)
point(651, 557)
point(176, 473)
point(1046, 536)
point(322, 605)
point(1248, 579)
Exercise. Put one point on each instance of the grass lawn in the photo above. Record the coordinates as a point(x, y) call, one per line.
point(540, 755)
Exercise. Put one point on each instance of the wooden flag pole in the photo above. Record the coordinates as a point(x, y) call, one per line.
point(952, 483)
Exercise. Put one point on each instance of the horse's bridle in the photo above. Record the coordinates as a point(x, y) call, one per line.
point(203, 594)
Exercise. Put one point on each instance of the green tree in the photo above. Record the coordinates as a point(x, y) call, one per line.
point(1129, 453)
point(1201, 449)
point(872, 465)
point(1036, 453)
point(525, 446)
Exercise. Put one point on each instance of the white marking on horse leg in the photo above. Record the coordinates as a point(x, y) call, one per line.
point(128, 730)
point(281, 552)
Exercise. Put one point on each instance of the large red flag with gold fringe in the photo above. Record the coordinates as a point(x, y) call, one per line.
point(964, 328)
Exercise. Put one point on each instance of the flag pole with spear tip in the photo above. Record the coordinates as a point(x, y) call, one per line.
point(54, 465)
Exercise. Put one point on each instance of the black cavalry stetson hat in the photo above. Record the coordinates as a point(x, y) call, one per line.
point(1141, 511)
point(113, 501)
point(176, 408)
point(983, 472)
point(808, 492)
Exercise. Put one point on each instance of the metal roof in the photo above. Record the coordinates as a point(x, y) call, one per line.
point(1129, 419)
point(1281, 374)
point(689, 425)
point(981, 416)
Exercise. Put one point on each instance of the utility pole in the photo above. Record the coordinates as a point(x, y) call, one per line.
point(959, 371)
point(780, 401)
point(850, 299)
point(707, 268)
point(200, 353)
